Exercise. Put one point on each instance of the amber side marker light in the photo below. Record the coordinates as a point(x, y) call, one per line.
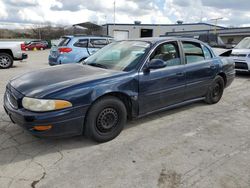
point(59, 104)
point(42, 127)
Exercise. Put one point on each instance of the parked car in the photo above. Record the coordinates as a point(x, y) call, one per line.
point(39, 45)
point(10, 52)
point(126, 79)
point(241, 55)
point(74, 49)
point(212, 39)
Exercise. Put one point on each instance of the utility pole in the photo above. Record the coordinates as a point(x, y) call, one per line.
point(114, 10)
point(39, 31)
point(216, 22)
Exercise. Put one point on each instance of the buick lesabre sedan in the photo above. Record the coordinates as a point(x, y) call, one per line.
point(124, 80)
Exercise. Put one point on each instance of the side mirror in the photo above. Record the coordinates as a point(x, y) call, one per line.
point(156, 64)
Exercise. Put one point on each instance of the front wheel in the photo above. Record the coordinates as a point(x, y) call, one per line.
point(105, 119)
point(215, 91)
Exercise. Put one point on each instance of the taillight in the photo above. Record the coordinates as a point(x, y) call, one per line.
point(23, 47)
point(64, 50)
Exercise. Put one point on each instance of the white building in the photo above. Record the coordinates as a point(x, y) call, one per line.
point(137, 30)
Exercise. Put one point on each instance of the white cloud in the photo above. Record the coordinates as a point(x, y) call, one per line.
point(66, 12)
point(3, 12)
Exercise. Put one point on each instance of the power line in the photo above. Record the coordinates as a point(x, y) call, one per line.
point(216, 23)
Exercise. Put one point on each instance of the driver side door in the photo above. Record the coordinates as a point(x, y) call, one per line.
point(163, 87)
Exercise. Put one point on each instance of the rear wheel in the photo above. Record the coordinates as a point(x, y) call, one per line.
point(215, 91)
point(105, 119)
point(6, 61)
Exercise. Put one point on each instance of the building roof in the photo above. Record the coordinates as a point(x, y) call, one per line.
point(223, 31)
point(93, 26)
point(89, 25)
point(184, 24)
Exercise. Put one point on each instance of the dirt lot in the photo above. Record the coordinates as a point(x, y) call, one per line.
point(194, 146)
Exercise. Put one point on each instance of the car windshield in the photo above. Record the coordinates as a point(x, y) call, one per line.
point(244, 44)
point(121, 56)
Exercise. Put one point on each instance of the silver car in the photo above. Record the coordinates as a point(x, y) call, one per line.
point(241, 55)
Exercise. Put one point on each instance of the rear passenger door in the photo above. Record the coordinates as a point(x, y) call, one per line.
point(199, 68)
point(81, 50)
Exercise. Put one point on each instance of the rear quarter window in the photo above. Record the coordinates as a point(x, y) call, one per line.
point(207, 52)
point(64, 41)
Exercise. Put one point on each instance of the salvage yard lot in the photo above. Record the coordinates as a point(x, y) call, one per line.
point(194, 146)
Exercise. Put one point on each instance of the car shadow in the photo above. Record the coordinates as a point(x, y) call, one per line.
point(18, 145)
point(243, 75)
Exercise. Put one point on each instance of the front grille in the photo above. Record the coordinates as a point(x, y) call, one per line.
point(241, 65)
point(239, 55)
point(13, 102)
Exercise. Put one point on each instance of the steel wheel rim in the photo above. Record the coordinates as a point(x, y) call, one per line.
point(107, 120)
point(5, 61)
point(216, 91)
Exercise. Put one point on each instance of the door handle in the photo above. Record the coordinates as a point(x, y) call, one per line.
point(179, 74)
point(213, 67)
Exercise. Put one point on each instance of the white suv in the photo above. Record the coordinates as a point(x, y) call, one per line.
point(241, 55)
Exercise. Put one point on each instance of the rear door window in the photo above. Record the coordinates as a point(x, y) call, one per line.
point(98, 43)
point(64, 41)
point(193, 52)
point(82, 43)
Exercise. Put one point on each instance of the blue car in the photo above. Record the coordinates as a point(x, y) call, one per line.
point(124, 80)
point(74, 49)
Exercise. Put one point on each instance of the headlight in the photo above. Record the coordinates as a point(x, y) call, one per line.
point(42, 105)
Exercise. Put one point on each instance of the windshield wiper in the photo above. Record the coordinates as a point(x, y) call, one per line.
point(97, 65)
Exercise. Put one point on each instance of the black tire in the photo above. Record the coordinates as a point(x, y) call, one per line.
point(105, 119)
point(6, 61)
point(215, 91)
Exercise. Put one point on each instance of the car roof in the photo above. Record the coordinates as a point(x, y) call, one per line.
point(87, 36)
point(162, 39)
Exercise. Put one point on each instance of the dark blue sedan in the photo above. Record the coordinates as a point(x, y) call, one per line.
point(124, 80)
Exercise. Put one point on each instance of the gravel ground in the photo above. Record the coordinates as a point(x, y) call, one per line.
point(194, 146)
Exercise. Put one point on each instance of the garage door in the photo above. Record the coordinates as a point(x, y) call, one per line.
point(120, 35)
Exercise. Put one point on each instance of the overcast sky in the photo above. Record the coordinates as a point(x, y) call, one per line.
point(66, 12)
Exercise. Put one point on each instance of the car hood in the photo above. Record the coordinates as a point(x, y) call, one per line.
point(241, 51)
point(40, 83)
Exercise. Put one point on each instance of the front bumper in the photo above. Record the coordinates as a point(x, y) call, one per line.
point(241, 65)
point(67, 122)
